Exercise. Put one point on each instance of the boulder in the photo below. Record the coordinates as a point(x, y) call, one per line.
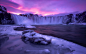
point(39, 40)
point(32, 37)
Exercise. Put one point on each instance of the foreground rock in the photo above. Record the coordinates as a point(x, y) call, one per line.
point(3, 39)
point(31, 36)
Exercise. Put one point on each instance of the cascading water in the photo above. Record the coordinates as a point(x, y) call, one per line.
point(67, 19)
point(20, 20)
point(46, 20)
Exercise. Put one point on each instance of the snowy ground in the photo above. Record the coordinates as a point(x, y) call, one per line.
point(16, 46)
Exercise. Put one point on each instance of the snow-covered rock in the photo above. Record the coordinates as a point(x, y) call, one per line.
point(33, 37)
point(28, 33)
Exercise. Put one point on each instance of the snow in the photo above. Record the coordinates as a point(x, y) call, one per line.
point(78, 23)
point(8, 29)
point(46, 51)
point(61, 43)
point(44, 42)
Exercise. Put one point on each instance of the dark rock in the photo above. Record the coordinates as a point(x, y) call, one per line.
point(81, 17)
point(3, 39)
point(23, 28)
point(5, 18)
point(26, 31)
point(20, 28)
point(69, 18)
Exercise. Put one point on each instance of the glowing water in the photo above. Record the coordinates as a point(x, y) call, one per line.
point(20, 20)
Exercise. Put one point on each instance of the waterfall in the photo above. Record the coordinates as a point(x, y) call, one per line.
point(20, 20)
point(28, 19)
point(47, 20)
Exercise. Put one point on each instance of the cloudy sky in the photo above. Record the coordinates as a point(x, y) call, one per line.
point(43, 7)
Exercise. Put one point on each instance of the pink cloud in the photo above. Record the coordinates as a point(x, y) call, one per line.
point(43, 7)
point(36, 11)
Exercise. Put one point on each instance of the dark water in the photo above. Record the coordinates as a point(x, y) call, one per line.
point(73, 33)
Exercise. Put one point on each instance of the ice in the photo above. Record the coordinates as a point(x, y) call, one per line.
point(78, 23)
point(8, 29)
point(44, 51)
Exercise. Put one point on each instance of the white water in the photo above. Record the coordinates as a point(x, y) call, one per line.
point(51, 20)
point(20, 20)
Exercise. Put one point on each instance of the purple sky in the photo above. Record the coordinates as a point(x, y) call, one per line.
point(43, 7)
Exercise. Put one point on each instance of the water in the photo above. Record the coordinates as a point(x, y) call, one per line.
point(65, 19)
point(13, 44)
point(73, 33)
point(21, 20)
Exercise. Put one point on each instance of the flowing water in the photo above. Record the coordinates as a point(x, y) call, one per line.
point(73, 33)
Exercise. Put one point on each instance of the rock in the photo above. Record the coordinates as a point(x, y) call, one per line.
point(3, 39)
point(30, 35)
point(38, 40)
point(20, 28)
point(5, 18)
point(81, 17)
point(11, 48)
